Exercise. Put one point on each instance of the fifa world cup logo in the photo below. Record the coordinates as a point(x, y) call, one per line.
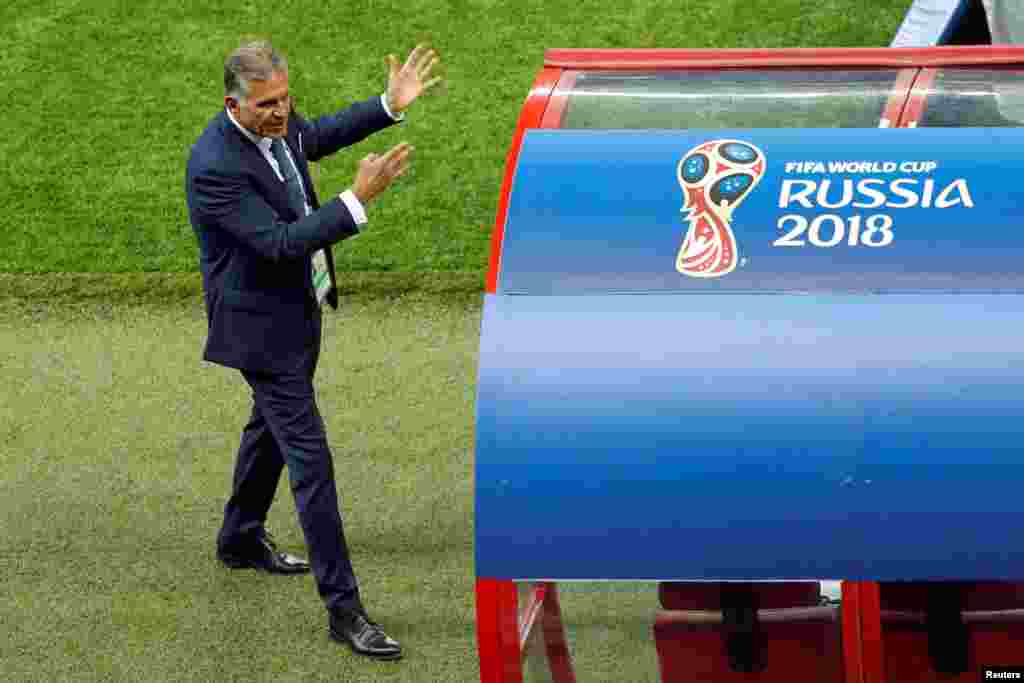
point(715, 178)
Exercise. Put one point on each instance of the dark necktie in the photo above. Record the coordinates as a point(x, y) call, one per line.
point(296, 197)
point(323, 264)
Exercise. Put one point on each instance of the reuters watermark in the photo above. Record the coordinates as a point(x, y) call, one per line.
point(1001, 673)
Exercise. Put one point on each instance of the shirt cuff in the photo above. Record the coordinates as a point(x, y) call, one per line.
point(355, 207)
point(384, 103)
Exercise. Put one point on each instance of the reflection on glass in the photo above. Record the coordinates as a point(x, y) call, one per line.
point(980, 98)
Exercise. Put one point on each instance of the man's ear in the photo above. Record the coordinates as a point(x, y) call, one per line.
point(232, 104)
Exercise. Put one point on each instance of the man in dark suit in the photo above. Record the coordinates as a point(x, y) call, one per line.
point(265, 255)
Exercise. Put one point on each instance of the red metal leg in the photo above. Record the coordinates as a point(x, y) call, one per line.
point(559, 658)
point(871, 633)
point(852, 658)
point(498, 632)
point(862, 632)
point(502, 635)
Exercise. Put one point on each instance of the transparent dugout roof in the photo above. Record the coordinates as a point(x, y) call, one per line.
point(962, 97)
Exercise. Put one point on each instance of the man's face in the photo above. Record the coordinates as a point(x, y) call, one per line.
point(265, 110)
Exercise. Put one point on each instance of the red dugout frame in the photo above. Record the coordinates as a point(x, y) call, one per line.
point(504, 625)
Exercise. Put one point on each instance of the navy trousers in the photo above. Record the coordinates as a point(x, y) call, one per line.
point(286, 429)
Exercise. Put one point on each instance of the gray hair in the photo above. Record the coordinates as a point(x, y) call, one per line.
point(252, 61)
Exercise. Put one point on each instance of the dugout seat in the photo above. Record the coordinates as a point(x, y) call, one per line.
point(732, 632)
point(945, 630)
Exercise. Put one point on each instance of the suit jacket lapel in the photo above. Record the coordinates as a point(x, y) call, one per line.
point(295, 148)
point(253, 160)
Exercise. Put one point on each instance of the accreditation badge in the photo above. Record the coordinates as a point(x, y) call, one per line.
point(321, 276)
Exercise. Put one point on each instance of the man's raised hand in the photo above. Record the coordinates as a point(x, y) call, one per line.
point(412, 79)
point(377, 171)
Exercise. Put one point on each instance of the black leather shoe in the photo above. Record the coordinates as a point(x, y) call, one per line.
point(263, 554)
point(365, 637)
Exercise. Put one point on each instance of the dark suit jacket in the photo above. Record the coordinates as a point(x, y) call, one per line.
point(255, 252)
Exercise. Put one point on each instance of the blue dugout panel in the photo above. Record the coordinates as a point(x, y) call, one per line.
point(757, 353)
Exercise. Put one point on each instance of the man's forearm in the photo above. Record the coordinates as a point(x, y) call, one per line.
point(328, 134)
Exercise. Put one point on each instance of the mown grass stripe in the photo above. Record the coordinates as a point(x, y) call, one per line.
point(171, 287)
point(144, 78)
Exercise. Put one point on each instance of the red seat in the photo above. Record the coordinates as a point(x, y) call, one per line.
point(707, 595)
point(702, 633)
point(945, 631)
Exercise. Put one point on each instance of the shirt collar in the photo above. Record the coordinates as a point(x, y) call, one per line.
point(261, 142)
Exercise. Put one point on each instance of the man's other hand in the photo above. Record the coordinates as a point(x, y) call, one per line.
point(376, 172)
